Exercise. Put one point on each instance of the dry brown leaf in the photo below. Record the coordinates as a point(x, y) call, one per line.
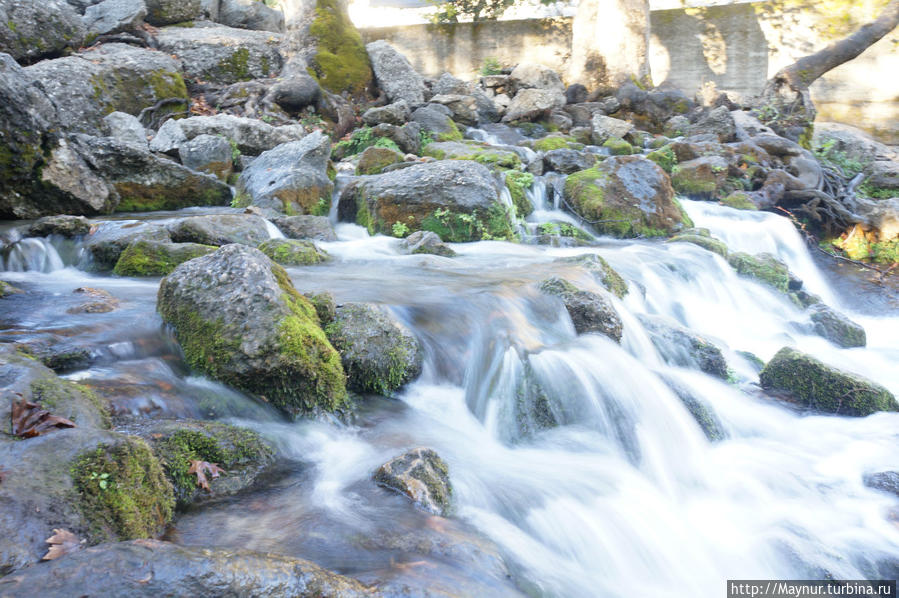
point(29, 420)
point(62, 542)
point(201, 468)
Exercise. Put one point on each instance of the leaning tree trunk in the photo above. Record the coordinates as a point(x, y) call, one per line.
point(786, 95)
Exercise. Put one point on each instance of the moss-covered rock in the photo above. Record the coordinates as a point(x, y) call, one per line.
point(561, 233)
point(619, 147)
point(554, 142)
point(422, 476)
point(239, 319)
point(763, 267)
point(123, 491)
point(589, 312)
point(292, 252)
point(682, 347)
point(472, 150)
point(664, 157)
point(739, 200)
point(601, 271)
point(710, 243)
point(375, 159)
point(340, 62)
point(7, 289)
point(518, 183)
point(154, 258)
point(823, 387)
point(702, 178)
point(836, 327)
point(325, 306)
point(378, 352)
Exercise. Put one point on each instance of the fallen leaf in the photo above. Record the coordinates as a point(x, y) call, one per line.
point(29, 420)
point(62, 542)
point(201, 468)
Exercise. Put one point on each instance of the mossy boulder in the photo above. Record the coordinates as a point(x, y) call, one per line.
point(375, 159)
point(625, 196)
point(422, 476)
point(836, 327)
point(475, 151)
point(339, 60)
point(739, 200)
point(763, 267)
point(601, 271)
point(427, 242)
point(456, 199)
point(664, 157)
point(560, 233)
point(702, 178)
point(682, 347)
point(220, 229)
point(518, 183)
point(152, 258)
point(823, 387)
point(64, 226)
point(292, 252)
point(31, 30)
point(436, 120)
point(706, 242)
point(589, 312)
point(239, 319)
point(166, 12)
point(554, 142)
point(378, 352)
point(619, 147)
point(242, 453)
point(106, 244)
point(7, 289)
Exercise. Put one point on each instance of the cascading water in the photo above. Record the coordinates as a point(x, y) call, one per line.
point(577, 456)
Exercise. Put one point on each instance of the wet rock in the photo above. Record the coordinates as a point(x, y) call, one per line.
point(324, 305)
point(885, 481)
point(154, 258)
point(682, 347)
point(151, 568)
point(211, 154)
point(836, 327)
point(292, 178)
point(589, 312)
point(427, 242)
point(392, 114)
point(375, 159)
point(106, 245)
point(823, 387)
point(378, 352)
point(251, 136)
point(98, 302)
point(250, 14)
point(7, 289)
point(703, 178)
point(223, 55)
point(112, 77)
point(126, 128)
point(701, 411)
point(472, 150)
point(317, 228)
point(220, 229)
point(534, 76)
point(763, 267)
point(114, 16)
point(166, 12)
point(706, 242)
point(568, 161)
point(238, 319)
point(395, 75)
point(143, 182)
point(630, 194)
point(606, 127)
point(421, 475)
point(456, 199)
point(529, 104)
point(65, 226)
point(291, 252)
point(435, 119)
point(32, 29)
point(601, 271)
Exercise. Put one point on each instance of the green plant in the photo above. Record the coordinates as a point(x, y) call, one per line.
point(425, 138)
point(400, 229)
point(452, 11)
point(102, 479)
point(490, 66)
point(235, 151)
point(830, 156)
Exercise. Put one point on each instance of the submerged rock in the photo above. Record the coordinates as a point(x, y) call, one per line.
point(706, 242)
point(155, 258)
point(763, 267)
point(836, 327)
point(683, 347)
point(601, 271)
point(885, 481)
point(421, 475)
point(823, 387)
point(378, 352)
point(239, 320)
point(427, 242)
point(291, 252)
point(589, 312)
point(98, 302)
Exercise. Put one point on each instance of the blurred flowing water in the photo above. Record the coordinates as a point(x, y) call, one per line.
point(626, 496)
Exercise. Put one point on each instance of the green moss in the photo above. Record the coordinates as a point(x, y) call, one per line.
point(618, 146)
point(341, 62)
point(518, 183)
point(562, 229)
point(553, 142)
point(72, 401)
point(664, 157)
point(236, 67)
point(585, 190)
point(139, 196)
point(241, 200)
point(739, 201)
point(691, 183)
point(151, 258)
point(607, 276)
point(292, 252)
point(7, 289)
point(454, 134)
point(713, 245)
point(494, 224)
point(137, 502)
point(763, 267)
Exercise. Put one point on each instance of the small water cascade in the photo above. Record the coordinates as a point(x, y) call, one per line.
point(31, 254)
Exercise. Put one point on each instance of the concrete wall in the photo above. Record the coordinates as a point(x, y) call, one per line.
point(736, 47)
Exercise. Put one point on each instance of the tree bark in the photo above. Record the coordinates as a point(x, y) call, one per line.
point(610, 43)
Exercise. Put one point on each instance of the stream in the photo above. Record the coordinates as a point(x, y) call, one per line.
point(627, 497)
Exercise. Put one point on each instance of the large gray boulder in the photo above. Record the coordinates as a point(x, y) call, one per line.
point(250, 14)
point(435, 119)
point(251, 136)
point(86, 87)
point(152, 568)
point(166, 12)
point(238, 319)
point(126, 128)
point(528, 75)
point(823, 387)
point(105, 246)
point(223, 55)
point(291, 178)
point(457, 199)
point(378, 352)
point(35, 29)
point(393, 114)
point(208, 153)
point(422, 476)
point(395, 75)
point(317, 228)
point(114, 16)
point(589, 312)
point(606, 127)
point(220, 229)
point(529, 104)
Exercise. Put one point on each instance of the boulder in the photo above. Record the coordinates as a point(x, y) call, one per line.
point(885, 481)
point(397, 114)
point(87, 86)
point(114, 16)
point(140, 182)
point(317, 228)
point(426, 242)
point(375, 159)
point(718, 122)
point(823, 387)
point(334, 50)
point(238, 319)
point(407, 137)
point(456, 199)
point(529, 104)
point(601, 272)
point(422, 476)
point(395, 75)
point(464, 108)
point(223, 55)
point(106, 244)
point(630, 194)
point(534, 76)
point(590, 312)
point(126, 128)
point(704, 241)
point(836, 327)
point(882, 179)
point(293, 252)
point(250, 135)
point(682, 347)
point(702, 178)
point(854, 143)
point(97, 301)
point(166, 12)
point(606, 127)
point(567, 161)
point(378, 352)
point(151, 568)
point(295, 92)
point(291, 178)
point(220, 229)
point(64, 226)
point(763, 267)
point(155, 258)
point(250, 14)
point(435, 119)
point(31, 29)
point(211, 154)
point(489, 155)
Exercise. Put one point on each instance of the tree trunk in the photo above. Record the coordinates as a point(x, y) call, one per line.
point(610, 42)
